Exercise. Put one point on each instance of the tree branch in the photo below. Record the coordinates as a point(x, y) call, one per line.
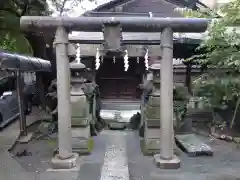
point(62, 7)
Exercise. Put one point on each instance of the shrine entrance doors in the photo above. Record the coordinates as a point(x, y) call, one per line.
point(117, 84)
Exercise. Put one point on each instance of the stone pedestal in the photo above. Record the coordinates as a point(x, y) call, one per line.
point(151, 118)
point(151, 142)
point(80, 117)
point(82, 141)
point(173, 163)
point(81, 138)
point(62, 164)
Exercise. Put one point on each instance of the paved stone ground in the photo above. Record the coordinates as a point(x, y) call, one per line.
point(10, 133)
point(224, 165)
point(119, 150)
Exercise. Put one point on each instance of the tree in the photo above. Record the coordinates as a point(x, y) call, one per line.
point(220, 89)
point(12, 38)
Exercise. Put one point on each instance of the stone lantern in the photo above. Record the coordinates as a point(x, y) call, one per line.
point(155, 69)
point(152, 114)
point(77, 69)
point(80, 116)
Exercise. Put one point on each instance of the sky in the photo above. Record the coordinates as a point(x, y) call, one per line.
point(78, 8)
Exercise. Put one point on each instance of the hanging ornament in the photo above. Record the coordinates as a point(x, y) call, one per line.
point(97, 61)
point(114, 59)
point(126, 62)
point(146, 60)
point(78, 55)
point(138, 60)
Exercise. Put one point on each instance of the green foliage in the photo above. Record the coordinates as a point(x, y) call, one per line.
point(217, 91)
point(220, 86)
point(203, 13)
point(15, 43)
point(11, 37)
point(181, 99)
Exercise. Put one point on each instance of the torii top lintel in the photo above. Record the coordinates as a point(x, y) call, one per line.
point(128, 24)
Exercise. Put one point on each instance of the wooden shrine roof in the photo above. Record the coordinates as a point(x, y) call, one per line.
point(159, 8)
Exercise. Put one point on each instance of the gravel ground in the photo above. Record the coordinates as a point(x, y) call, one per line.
point(225, 163)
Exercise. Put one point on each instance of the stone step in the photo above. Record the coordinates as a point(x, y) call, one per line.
point(82, 146)
point(193, 145)
point(79, 122)
point(154, 101)
point(152, 123)
point(82, 141)
point(152, 112)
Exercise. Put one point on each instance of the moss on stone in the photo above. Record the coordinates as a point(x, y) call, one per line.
point(90, 144)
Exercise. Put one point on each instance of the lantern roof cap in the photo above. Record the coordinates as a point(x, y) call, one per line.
point(77, 66)
point(155, 66)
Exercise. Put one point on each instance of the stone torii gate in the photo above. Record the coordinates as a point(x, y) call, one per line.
point(61, 26)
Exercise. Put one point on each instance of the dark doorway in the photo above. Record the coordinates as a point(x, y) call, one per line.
point(115, 83)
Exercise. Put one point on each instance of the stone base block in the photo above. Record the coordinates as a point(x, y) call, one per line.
point(151, 141)
point(81, 132)
point(154, 100)
point(69, 163)
point(117, 125)
point(80, 122)
point(151, 133)
point(174, 163)
point(25, 139)
point(152, 144)
point(147, 152)
point(152, 112)
point(82, 141)
point(83, 147)
point(152, 148)
point(152, 123)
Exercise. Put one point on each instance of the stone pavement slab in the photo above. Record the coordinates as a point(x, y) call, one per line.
point(57, 176)
point(10, 169)
point(10, 133)
point(192, 145)
point(226, 161)
point(17, 176)
point(91, 168)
